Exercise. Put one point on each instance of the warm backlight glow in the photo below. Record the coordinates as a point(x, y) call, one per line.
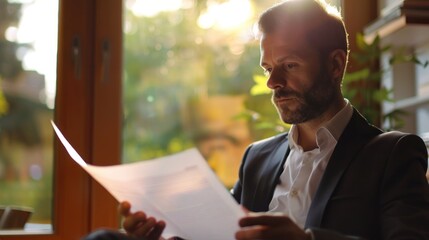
point(227, 15)
point(42, 57)
point(230, 14)
point(145, 8)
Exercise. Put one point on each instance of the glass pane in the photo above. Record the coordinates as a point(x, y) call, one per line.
point(28, 40)
point(192, 79)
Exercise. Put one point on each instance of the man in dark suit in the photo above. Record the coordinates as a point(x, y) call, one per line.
point(373, 186)
point(333, 176)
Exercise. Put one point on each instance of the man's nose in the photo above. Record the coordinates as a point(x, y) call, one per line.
point(276, 80)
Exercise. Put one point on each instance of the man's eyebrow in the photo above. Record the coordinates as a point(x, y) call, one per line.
point(292, 56)
point(296, 54)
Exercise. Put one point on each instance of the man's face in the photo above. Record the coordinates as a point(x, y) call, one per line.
point(302, 87)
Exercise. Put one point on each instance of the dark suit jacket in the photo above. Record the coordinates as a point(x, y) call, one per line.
point(374, 185)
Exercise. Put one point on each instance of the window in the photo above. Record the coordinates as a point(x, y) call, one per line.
point(28, 79)
point(71, 203)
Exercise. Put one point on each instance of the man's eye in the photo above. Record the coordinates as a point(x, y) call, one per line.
point(291, 66)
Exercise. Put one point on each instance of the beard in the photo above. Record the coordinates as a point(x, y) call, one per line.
point(310, 104)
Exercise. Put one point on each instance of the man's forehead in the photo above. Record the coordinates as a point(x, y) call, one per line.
point(286, 45)
point(283, 36)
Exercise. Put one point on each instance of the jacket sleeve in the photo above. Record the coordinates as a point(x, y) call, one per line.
point(322, 234)
point(237, 189)
point(404, 196)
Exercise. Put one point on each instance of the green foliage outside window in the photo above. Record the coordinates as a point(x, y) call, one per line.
point(171, 63)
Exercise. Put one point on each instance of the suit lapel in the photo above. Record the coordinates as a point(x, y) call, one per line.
point(271, 175)
point(355, 136)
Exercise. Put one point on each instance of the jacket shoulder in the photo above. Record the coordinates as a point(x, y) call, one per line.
point(269, 143)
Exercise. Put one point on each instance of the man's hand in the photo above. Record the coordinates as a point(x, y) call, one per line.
point(139, 225)
point(269, 226)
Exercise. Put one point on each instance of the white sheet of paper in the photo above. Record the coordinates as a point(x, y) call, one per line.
point(180, 189)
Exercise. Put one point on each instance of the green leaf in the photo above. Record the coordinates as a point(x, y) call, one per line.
point(357, 75)
point(417, 61)
point(374, 47)
point(395, 119)
point(375, 76)
point(265, 125)
point(360, 41)
point(350, 93)
point(386, 48)
point(361, 58)
point(260, 86)
point(381, 95)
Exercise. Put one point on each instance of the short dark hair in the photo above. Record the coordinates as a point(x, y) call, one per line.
point(327, 32)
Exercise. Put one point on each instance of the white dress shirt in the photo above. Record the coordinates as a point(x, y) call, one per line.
point(303, 170)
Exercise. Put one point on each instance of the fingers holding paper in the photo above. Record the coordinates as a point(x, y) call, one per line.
point(138, 224)
point(269, 226)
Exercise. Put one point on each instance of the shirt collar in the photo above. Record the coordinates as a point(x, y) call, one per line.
point(338, 123)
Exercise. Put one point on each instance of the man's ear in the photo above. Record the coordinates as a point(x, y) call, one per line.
point(337, 64)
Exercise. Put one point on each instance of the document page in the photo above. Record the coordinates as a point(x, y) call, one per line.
point(180, 189)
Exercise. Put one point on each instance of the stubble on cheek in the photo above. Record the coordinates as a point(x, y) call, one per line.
point(289, 110)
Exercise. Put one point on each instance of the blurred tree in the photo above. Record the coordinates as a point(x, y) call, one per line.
point(10, 65)
point(170, 63)
point(17, 113)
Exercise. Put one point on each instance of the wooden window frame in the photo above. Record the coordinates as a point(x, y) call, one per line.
point(88, 111)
